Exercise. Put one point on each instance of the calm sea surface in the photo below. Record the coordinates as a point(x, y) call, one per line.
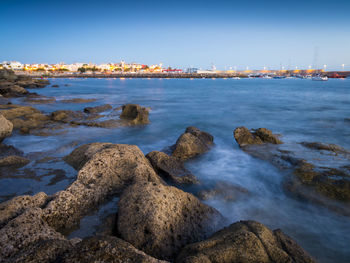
point(299, 110)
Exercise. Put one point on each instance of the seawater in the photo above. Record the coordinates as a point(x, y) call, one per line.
point(299, 110)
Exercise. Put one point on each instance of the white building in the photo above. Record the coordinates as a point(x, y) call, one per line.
point(15, 65)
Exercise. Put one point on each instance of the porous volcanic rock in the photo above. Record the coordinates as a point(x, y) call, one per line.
point(171, 168)
point(107, 173)
point(24, 230)
point(245, 242)
point(135, 114)
point(161, 219)
point(192, 143)
point(79, 156)
point(5, 128)
point(17, 205)
point(262, 135)
point(98, 109)
point(106, 249)
point(14, 160)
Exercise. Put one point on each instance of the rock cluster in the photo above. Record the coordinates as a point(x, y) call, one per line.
point(262, 135)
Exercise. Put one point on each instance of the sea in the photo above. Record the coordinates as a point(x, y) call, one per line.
point(296, 109)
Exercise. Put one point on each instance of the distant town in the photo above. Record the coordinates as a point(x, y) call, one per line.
point(129, 69)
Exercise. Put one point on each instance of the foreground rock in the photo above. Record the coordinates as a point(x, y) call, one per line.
point(135, 114)
point(245, 242)
point(106, 249)
point(161, 219)
point(5, 128)
point(171, 168)
point(16, 206)
point(24, 230)
point(107, 173)
point(262, 135)
point(192, 143)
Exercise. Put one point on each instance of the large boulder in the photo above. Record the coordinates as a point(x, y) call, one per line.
point(79, 156)
point(17, 205)
point(135, 114)
point(262, 135)
point(106, 249)
point(107, 173)
point(98, 109)
point(245, 242)
point(170, 168)
point(12, 90)
point(161, 219)
point(5, 128)
point(192, 143)
point(24, 230)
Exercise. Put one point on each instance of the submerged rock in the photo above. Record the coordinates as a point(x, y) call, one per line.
point(98, 109)
point(192, 143)
point(325, 147)
point(5, 128)
point(135, 114)
point(161, 219)
point(262, 135)
point(245, 242)
point(14, 160)
point(78, 100)
point(223, 190)
point(107, 173)
point(66, 116)
point(106, 249)
point(171, 168)
point(17, 205)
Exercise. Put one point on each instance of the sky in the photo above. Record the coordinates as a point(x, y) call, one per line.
point(178, 33)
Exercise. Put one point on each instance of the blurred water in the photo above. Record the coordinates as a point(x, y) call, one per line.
point(300, 110)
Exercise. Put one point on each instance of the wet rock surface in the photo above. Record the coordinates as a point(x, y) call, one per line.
point(108, 172)
point(107, 249)
point(98, 109)
point(223, 190)
point(259, 136)
point(161, 219)
point(135, 114)
point(14, 160)
point(192, 143)
point(245, 242)
point(171, 168)
point(5, 128)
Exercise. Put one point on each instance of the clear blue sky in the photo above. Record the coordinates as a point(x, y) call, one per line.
point(178, 33)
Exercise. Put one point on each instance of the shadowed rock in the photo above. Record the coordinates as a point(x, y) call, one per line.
point(262, 135)
point(106, 249)
point(192, 143)
point(5, 128)
point(13, 160)
point(98, 109)
point(245, 242)
point(161, 219)
point(135, 114)
point(107, 173)
point(16, 206)
point(171, 168)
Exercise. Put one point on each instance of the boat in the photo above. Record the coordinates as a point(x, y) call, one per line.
point(279, 77)
point(320, 78)
point(236, 78)
point(336, 76)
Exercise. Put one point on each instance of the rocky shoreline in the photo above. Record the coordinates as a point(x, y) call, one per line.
point(157, 220)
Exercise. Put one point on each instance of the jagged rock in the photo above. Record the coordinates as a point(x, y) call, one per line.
point(161, 219)
point(79, 156)
point(14, 160)
point(24, 230)
point(135, 114)
point(170, 168)
point(11, 90)
point(107, 173)
point(223, 190)
point(107, 249)
point(66, 115)
point(5, 128)
point(17, 205)
point(51, 250)
point(245, 242)
point(325, 147)
point(262, 135)
point(98, 109)
point(7, 74)
point(192, 143)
